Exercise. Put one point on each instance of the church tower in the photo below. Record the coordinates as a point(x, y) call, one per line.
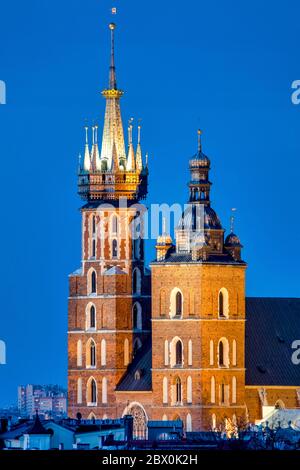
point(109, 316)
point(198, 316)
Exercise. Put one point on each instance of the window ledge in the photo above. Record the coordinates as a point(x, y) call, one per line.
point(89, 403)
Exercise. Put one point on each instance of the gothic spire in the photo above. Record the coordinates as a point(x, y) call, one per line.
point(112, 68)
point(87, 157)
point(139, 160)
point(113, 133)
point(130, 157)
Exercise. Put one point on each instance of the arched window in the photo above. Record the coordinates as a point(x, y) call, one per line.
point(79, 353)
point(126, 352)
point(165, 418)
point(104, 390)
point(114, 225)
point(137, 316)
point(211, 353)
point(233, 389)
point(91, 353)
point(114, 248)
point(92, 417)
point(178, 391)
point(176, 303)
point(92, 317)
point(166, 352)
point(234, 362)
point(93, 225)
point(103, 352)
point(178, 353)
point(92, 282)
point(94, 248)
point(189, 393)
point(213, 390)
point(136, 281)
point(279, 405)
point(165, 390)
point(91, 392)
point(223, 303)
point(223, 353)
point(189, 423)
point(136, 346)
point(79, 391)
point(190, 353)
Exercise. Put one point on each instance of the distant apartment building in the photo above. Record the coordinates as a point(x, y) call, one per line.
point(50, 401)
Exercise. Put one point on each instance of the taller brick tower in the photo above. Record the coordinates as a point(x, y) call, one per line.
point(109, 316)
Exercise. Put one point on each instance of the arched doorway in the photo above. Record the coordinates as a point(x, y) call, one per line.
point(140, 430)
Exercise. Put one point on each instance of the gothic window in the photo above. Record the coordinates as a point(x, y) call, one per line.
point(178, 390)
point(137, 316)
point(223, 353)
point(136, 281)
point(223, 303)
point(93, 283)
point(92, 392)
point(179, 353)
point(92, 317)
point(139, 420)
point(136, 346)
point(114, 225)
point(92, 354)
point(94, 248)
point(94, 224)
point(114, 248)
point(176, 303)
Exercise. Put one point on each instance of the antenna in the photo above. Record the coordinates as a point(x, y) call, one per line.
point(232, 219)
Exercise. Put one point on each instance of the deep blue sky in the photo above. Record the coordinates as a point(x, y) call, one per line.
point(224, 66)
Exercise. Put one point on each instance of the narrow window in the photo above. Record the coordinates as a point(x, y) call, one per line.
point(93, 354)
point(178, 390)
point(114, 248)
point(221, 304)
point(178, 303)
point(178, 352)
point(94, 249)
point(92, 317)
point(93, 283)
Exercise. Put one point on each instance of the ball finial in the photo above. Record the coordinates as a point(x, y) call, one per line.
point(112, 26)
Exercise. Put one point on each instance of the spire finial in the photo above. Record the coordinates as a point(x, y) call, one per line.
point(112, 68)
point(96, 133)
point(86, 134)
point(130, 131)
point(139, 131)
point(199, 132)
point(232, 219)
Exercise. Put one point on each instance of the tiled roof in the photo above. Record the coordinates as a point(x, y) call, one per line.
point(271, 327)
point(113, 270)
point(143, 363)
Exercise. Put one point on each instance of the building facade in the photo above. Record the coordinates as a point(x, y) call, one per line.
point(172, 345)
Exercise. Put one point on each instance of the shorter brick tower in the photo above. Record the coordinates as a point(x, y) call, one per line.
point(109, 313)
point(198, 316)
